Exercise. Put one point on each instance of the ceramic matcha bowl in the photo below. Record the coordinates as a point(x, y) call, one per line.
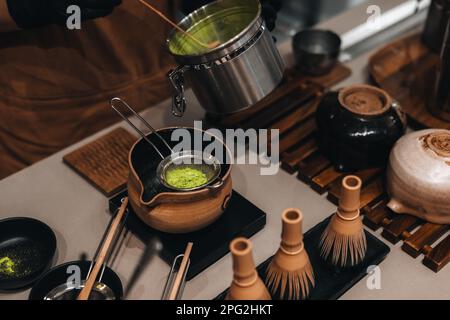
point(164, 208)
point(418, 176)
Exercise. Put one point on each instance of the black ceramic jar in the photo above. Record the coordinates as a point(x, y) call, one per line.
point(358, 126)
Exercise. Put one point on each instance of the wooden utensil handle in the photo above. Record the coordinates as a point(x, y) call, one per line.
point(85, 293)
point(173, 24)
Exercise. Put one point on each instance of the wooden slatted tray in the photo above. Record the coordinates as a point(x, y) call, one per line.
point(284, 107)
point(291, 109)
point(417, 235)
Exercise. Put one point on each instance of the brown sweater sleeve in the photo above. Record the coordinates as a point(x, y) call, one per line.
point(6, 22)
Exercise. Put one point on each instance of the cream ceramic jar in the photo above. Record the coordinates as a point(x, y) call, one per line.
point(418, 176)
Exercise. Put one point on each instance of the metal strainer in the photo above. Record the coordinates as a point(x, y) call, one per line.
point(206, 163)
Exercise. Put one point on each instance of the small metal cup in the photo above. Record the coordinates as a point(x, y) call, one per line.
point(316, 51)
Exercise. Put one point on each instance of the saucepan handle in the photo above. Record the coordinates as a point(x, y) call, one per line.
point(176, 77)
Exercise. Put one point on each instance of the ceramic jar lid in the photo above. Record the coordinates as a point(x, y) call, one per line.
point(365, 100)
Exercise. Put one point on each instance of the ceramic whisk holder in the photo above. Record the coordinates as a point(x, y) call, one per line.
point(418, 177)
point(358, 126)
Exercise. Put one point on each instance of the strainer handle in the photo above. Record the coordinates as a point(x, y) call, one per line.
point(143, 135)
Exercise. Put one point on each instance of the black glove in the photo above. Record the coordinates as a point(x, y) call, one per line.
point(38, 13)
point(270, 9)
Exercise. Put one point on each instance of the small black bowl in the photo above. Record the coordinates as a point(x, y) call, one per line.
point(60, 274)
point(30, 245)
point(316, 51)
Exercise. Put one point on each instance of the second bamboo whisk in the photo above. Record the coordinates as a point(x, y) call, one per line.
point(343, 242)
point(290, 274)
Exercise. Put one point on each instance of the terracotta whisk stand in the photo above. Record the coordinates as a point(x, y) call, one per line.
point(246, 285)
point(290, 274)
point(343, 242)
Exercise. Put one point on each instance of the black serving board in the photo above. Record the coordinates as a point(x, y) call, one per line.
point(332, 282)
point(241, 218)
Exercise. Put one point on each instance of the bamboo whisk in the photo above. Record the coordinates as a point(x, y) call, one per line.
point(344, 240)
point(290, 272)
point(210, 45)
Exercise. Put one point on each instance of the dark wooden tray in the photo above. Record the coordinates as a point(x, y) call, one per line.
point(291, 109)
point(241, 218)
point(406, 69)
point(331, 282)
point(284, 108)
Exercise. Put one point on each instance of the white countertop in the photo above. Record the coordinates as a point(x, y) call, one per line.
point(78, 213)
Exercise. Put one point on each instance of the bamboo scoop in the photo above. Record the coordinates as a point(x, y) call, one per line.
point(86, 291)
point(344, 240)
point(210, 45)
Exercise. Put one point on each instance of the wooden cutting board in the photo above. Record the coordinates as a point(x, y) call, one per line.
point(104, 162)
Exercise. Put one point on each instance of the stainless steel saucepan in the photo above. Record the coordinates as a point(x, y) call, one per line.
point(244, 68)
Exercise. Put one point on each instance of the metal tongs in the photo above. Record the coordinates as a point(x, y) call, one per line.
point(177, 277)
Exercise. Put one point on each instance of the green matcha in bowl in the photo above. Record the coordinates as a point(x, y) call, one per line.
point(186, 178)
point(188, 171)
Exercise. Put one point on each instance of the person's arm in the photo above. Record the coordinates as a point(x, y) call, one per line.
point(6, 22)
point(27, 14)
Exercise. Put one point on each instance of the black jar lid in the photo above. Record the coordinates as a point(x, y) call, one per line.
point(365, 100)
